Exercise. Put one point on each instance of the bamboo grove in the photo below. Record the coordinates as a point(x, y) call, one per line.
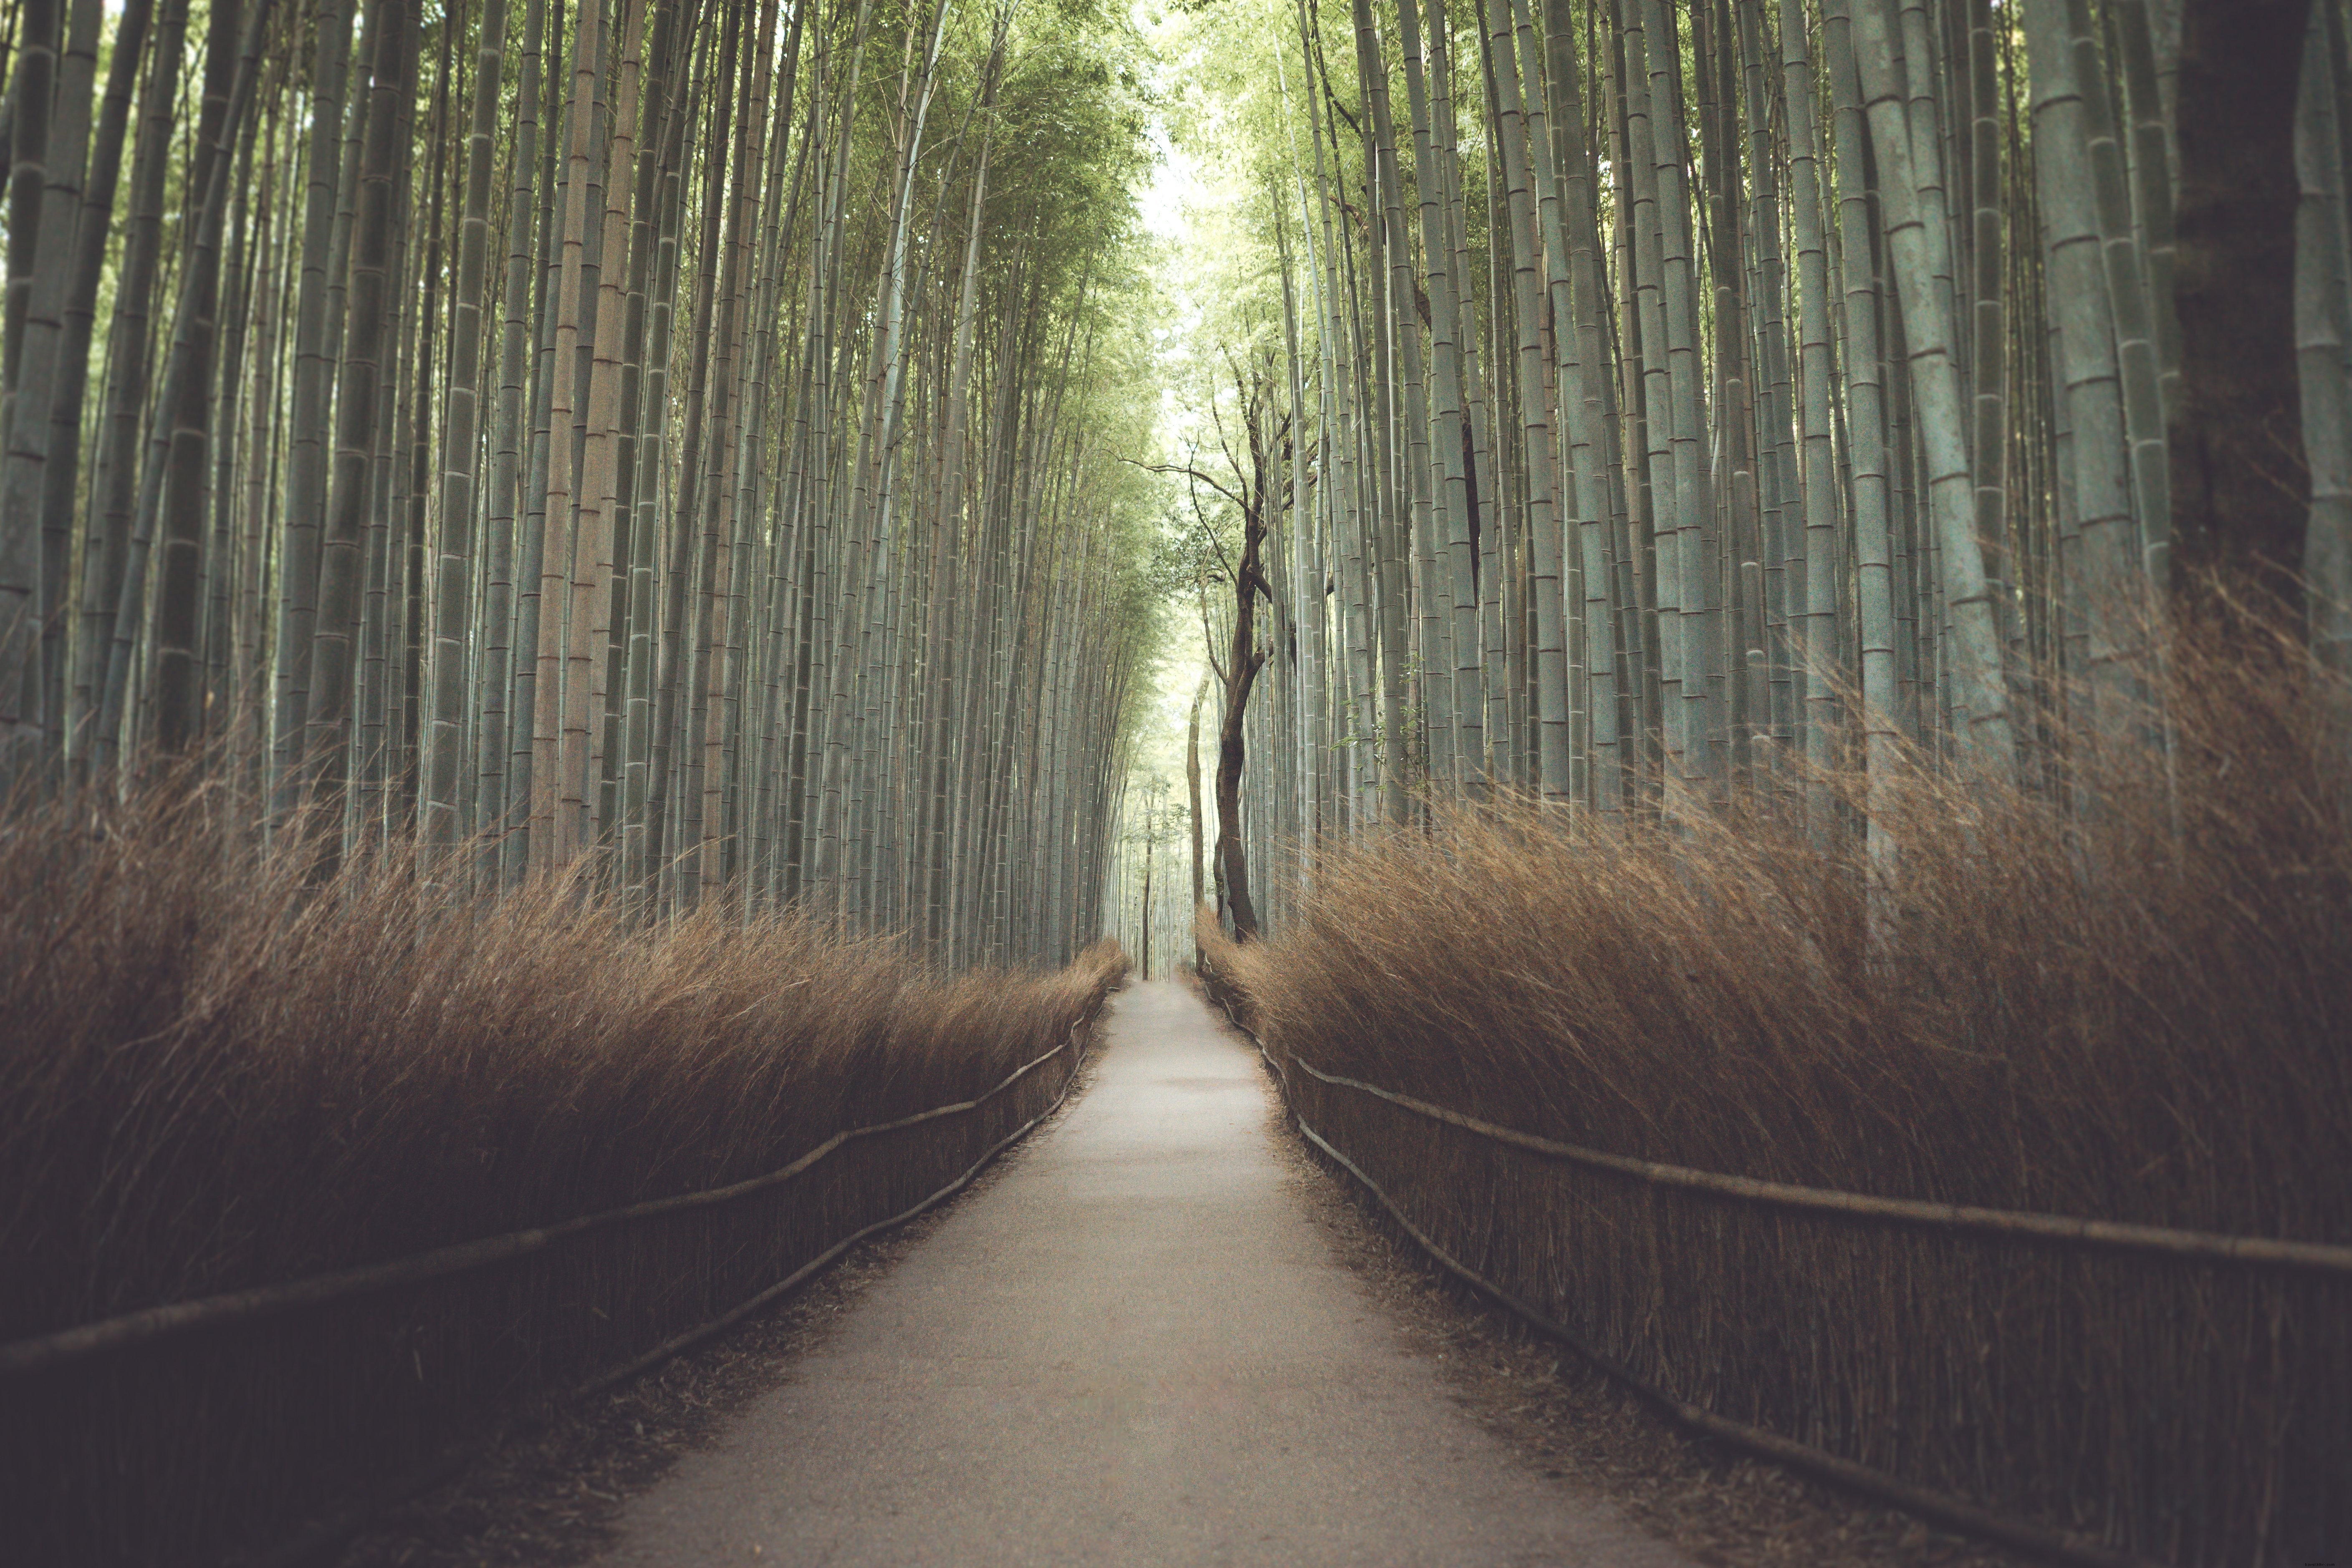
point(1671, 408)
point(671, 439)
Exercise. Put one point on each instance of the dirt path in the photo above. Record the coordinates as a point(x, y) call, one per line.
point(1135, 1348)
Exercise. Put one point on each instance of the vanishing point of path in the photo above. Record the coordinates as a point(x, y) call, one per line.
point(1135, 1347)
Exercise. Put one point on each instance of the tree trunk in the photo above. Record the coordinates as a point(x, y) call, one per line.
point(350, 493)
point(2240, 488)
point(1192, 789)
point(1240, 674)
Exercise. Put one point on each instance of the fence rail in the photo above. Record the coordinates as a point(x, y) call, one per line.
point(62, 1347)
point(2318, 1256)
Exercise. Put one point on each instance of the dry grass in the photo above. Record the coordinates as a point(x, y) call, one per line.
point(2074, 1011)
point(210, 1080)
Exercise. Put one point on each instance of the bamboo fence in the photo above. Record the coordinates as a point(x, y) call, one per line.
point(2079, 1390)
point(167, 1433)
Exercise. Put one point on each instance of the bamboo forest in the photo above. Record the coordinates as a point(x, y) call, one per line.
point(1170, 754)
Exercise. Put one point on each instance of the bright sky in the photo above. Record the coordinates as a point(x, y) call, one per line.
point(1173, 182)
point(1176, 182)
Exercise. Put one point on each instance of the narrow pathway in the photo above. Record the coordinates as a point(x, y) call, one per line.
point(1134, 1348)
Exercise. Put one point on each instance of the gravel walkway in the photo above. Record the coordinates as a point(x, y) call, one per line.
point(1135, 1348)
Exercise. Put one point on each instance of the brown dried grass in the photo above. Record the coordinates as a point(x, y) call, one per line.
point(211, 1077)
point(2076, 1010)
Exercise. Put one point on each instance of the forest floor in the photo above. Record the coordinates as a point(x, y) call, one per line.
point(1158, 1333)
